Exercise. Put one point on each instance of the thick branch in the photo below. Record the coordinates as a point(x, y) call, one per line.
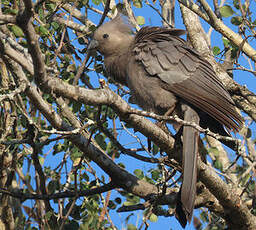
point(219, 26)
point(237, 214)
point(244, 99)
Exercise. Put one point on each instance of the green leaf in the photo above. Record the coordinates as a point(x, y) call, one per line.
point(71, 68)
point(137, 3)
point(48, 215)
point(245, 179)
point(153, 218)
point(92, 28)
point(52, 186)
point(155, 149)
point(131, 199)
point(226, 11)
point(41, 14)
point(204, 216)
point(76, 106)
point(226, 42)
point(73, 225)
point(109, 148)
point(11, 11)
point(75, 153)
point(237, 20)
point(50, 6)
point(55, 25)
point(17, 31)
point(234, 51)
point(131, 227)
point(140, 20)
point(100, 139)
point(214, 151)
point(41, 160)
point(216, 50)
point(155, 174)
point(128, 203)
point(149, 180)
point(218, 165)
point(43, 31)
point(139, 173)
point(85, 177)
point(58, 148)
point(28, 178)
point(236, 4)
point(96, 2)
point(121, 165)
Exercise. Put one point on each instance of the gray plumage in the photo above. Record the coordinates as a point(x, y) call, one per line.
point(165, 74)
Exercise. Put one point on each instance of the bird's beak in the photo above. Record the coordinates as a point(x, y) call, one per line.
point(92, 45)
point(91, 50)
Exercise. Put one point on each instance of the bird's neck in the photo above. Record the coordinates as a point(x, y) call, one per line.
point(116, 61)
point(116, 66)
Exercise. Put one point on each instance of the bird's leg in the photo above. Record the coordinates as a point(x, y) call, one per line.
point(162, 124)
point(170, 110)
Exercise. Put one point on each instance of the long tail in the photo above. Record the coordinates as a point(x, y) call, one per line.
point(185, 205)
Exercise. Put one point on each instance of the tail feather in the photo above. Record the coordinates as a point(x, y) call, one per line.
point(185, 205)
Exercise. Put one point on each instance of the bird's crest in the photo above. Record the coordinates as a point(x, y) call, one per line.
point(121, 23)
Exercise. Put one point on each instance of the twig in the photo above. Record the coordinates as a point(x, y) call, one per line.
point(137, 138)
point(14, 93)
point(66, 194)
point(159, 13)
point(64, 219)
point(186, 123)
point(129, 151)
point(99, 11)
point(131, 15)
point(105, 12)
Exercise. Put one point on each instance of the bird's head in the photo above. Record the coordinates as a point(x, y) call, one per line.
point(113, 37)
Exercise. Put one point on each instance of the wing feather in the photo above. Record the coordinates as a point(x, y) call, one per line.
point(185, 73)
point(163, 60)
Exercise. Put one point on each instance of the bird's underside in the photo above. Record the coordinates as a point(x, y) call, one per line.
point(164, 73)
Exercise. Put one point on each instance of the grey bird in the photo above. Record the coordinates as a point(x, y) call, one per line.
point(166, 76)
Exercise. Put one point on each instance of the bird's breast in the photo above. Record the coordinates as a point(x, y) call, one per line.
point(116, 68)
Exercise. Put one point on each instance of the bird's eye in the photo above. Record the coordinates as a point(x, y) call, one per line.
point(105, 36)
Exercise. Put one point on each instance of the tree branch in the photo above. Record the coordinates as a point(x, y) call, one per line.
point(244, 99)
point(67, 194)
point(219, 26)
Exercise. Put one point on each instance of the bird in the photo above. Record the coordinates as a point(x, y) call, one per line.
point(166, 76)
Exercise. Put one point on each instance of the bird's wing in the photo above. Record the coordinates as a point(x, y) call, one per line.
point(191, 78)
